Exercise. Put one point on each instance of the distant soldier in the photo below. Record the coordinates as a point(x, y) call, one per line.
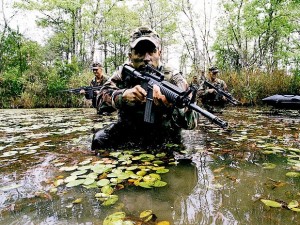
point(209, 96)
point(99, 80)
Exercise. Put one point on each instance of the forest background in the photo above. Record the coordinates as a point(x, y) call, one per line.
point(255, 44)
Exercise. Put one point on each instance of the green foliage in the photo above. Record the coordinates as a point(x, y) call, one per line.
point(252, 86)
point(259, 33)
point(11, 87)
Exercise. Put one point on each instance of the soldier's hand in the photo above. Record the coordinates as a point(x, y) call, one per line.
point(82, 91)
point(211, 90)
point(135, 94)
point(159, 98)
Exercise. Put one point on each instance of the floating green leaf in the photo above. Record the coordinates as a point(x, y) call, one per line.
point(79, 172)
point(159, 183)
point(68, 168)
point(269, 165)
point(116, 218)
point(103, 182)
point(75, 183)
point(162, 171)
point(145, 184)
point(70, 178)
point(271, 203)
point(146, 215)
point(88, 181)
point(293, 204)
point(295, 209)
point(112, 199)
point(293, 174)
point(107, 189)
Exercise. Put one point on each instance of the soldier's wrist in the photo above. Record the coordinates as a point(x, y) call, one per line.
point(117, 98)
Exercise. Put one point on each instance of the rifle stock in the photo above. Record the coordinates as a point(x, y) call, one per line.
point(174, 94)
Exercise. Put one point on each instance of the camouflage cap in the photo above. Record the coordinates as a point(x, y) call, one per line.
point(144, 33)
point(213, 69)
point(96, 66)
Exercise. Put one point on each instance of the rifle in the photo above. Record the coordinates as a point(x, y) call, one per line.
point(174, 94)
point(221, 92)
point(89, 90)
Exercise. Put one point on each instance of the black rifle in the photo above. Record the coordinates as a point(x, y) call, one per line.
point(221, 92)
point(174, 94)
point(89, 90)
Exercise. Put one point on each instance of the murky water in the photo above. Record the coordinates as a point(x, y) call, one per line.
point(228, 175)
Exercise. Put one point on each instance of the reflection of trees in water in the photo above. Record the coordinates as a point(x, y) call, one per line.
point(202, 204)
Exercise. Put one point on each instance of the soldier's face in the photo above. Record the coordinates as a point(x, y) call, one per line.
point(213, 76)
point(98, 72)
point(144, 53)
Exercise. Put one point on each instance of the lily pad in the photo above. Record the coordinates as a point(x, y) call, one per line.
point(293, 174)
point(103, 182)
point(159, 183)
point(116, 218)
point(107, 189)
point(293, 204)
point(79, 172)
point(75, 183)
point(68, 168)
point(162, 171)
point(269, 165)
point(112, 199)
point(271, 203)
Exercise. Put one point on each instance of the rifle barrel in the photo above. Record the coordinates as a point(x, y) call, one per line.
point(209, 115)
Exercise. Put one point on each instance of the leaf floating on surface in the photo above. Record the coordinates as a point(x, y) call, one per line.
point(103, 182)
point(144, 184)
point(293, 204)
point(70, 178)
point(77, 201)
point(116, 218)
point(107, 189)
point(162, 171)
point(75, 183)
point(159, 183)
point(68, 168)
point(271, 203)
point(112, 199)
point(146, 215)
point(293, 174)
point(295, 209)
point(79, 172)
point(269, 165)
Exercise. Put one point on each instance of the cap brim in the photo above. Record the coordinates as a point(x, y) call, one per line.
point(133, 44)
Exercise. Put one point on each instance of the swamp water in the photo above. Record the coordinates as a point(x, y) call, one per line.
point(226, 182)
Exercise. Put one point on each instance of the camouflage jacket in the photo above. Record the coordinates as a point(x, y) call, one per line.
point(217, 82)
point(110, 98)
point(95, 83)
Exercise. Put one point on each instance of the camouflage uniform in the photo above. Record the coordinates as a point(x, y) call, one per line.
point(130, 130)
point(211, 100)
point(95, 83)
point(92, 95)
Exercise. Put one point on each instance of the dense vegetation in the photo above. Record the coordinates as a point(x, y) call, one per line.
point(256, 45)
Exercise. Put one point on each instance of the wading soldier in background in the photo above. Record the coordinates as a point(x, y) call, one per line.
point(210, 98)
point(129, 98)
point(99, 80)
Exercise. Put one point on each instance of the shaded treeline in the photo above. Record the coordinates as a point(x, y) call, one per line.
point(255, 45)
